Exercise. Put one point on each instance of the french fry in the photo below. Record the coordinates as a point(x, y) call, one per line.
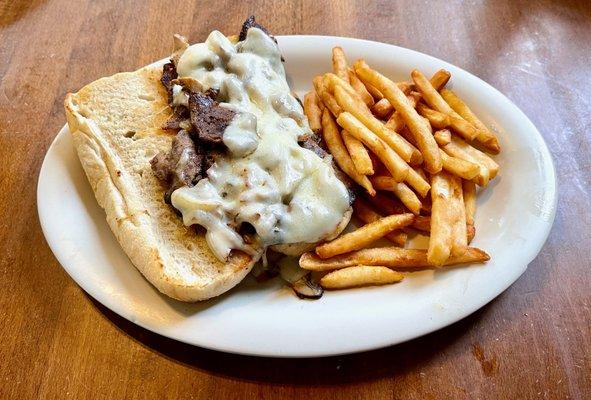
point(421, 173)
point(391, 257)
point(319, 103)
point(378, 166)
point(363, 236)
point(358, 153)
point(331, 80)
point(375, 93)
point(382, 109)
point(360, 88)
point(360, 275)
point(418, 127)
point(395, 165)
point(312, 111)
point(386, 204)
point(434, 99)
point(363, 211)
point(417, 182)
point(406, 151)
point(440, 79)
point(339, 63)
point(442, 218)
point(488, 168)
point(407, 134)
point(484, 135)
point(469, 190)
point(437, 119)
point(400, 190)
point(471, 232)
point(336, 147)
point(422, 223)
point(395, 122)
point(462, 168)
point(405, 87)
point(327, 98)
point(442, 137)
point(459, 239)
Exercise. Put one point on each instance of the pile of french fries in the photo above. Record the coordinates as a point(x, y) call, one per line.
point(417, 152)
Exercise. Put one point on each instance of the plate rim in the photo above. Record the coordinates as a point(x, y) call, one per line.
point(120, 309)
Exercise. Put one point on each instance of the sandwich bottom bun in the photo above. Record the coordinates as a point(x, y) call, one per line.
point(115, 124)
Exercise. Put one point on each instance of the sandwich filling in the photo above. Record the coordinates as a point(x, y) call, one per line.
point(245, 165)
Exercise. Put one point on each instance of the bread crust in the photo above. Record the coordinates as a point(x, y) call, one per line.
point(115, 124)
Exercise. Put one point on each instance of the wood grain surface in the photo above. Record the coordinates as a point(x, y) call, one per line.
point(533, 341)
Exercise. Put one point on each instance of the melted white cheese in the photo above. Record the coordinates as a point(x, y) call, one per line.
point(287, 193)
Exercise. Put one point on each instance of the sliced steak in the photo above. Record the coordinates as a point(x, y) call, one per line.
point(178, 120)
point(313, 143)
point(182, 166)
point(251, 23)
point(210, 154)
point(208, 118)
point(168, 74)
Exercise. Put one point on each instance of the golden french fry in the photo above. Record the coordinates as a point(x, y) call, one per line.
point(421, 173)
point(469, 190)
point(319, 103)
point(363, 211)
point(396, 123)
point(336, 147)
point(406, 151)
point(419, 128)
point(386, 204)
point(363, 236)
point(442, 218)
point(459, 238)
point(434, 99)
point(407, 134)
point(339, 63)
point(442, 137)
point(312, 111)
point(437, 119)
point(440, 79)
point(382, 109)
point(360, 88)
point(327, 98)
point(462, 168)
point(417, 182)
point(391, 257)
point(331, 81)
point(405, 87)
point(488, 168)
point(471, 232)
point(484, 135)
point(358, 153)
point(403, 192)
point(375, 93)
point(422, 223)
point(360, 275)
point(395, 165)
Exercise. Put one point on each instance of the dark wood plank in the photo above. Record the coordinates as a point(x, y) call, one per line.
point(533, 341)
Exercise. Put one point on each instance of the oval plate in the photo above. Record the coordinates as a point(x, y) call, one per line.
point(514, 216)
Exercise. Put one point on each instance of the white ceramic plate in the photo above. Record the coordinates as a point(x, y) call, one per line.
point(514, 216)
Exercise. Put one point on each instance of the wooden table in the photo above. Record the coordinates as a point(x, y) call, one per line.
point(533, 341)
